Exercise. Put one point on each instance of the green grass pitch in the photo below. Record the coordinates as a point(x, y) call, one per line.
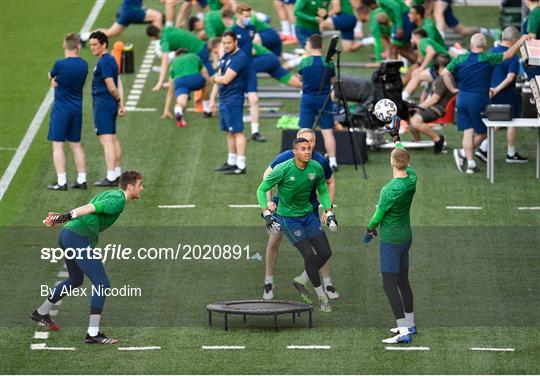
point(475, 274)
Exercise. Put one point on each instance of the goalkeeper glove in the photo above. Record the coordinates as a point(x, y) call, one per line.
point(331, 221)
point(58, 218)
point(393, 128)
point(369, 235)
point(272, 224)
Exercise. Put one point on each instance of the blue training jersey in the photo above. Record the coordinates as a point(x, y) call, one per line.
point(316, 156)
point(233, 93)
point(131, 4)
point(106, 67)
point(244, 36)
point(70, 74)
point(313, 69)
point(500, 71)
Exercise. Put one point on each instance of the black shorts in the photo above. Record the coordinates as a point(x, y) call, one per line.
point(430, 114)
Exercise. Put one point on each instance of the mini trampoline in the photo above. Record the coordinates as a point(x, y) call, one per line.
point(260, 308)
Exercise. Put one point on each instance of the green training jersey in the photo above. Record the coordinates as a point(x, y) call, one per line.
point(394, 9)
point(306, 13)
point(184, 65)
point(426, 42)
point(215, 4)
point(213, 24)
point(109, 205)
point(433, 33)
point(259, 25)
point(346, 7)
point(393, 209)
point(533, 23)
point(377, 32)
point(173, 38)
point(294, 188)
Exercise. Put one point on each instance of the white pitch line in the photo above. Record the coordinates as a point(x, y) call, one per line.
point(146, 66)
point(492, 349)
point(41, 335)
point(140, 348)
point(189, 206)
point(8, 149)
point(144, 70)
point(131, 103)
point(204, 347)
point(138, 86)
point(140, 109)
point(135, 91)
point(529, 208)
point(133, 97)
point(464, 207)
point(33, 128)
point(409, 348)
point(309, 347)
point(243, 206)
point(43, 346)
point(62, 274)
point(142, 75)
point(139, 81)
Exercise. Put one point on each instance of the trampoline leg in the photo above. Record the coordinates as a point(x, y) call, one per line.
point(275, 322)
point(294, 317)
point(310, 319)
point(245, 318)
point(225, 323)
point(209, 317)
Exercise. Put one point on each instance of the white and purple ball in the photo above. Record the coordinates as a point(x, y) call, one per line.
point(385, 110)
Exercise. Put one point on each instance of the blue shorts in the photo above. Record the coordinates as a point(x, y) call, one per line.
point(394, 258)
point(299, 228)
point(288, 1)
point(187, 84)
point(271, 40)
point(205, 57)
point(303, 34)
point(127, 16)
point(231, 117)
point(345, 23)
point(203, 3)
point(251, 82)
point(468, 117)
point(105, 117)
point(310, 107)
point(269, 63)
point(65, 125)
point(408, 28)
point(449, 18)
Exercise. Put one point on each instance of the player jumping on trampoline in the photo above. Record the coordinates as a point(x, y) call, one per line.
point(295, 180)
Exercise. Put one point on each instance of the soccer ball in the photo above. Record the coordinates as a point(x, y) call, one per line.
point(384, 110)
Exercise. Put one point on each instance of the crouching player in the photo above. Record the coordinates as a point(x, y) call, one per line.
point(392, 215)
point(187, 74)
point(295, 180)
point(265, 61)
point(81, 232)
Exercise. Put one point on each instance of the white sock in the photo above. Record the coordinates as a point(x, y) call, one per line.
point(358, 27)
point(231, 159)
point(168, 23)
point(93, 325)
point(402, 326)
point(81, 177)
point(206, 105)
point(410, 319)
point(118, 171)
point(285, 27)
point(45, 307)
point(405, 95)
point(327, 281)
point(241, 162)
point(471, 163)
point(511, 151)
point(304, 277)
point(288, 56)
point(178, 110)
point(369, 41)
point(484, 146)
point(254, 128)
point(111, 175)
point(319, 290)
point(333, 161)
point(200, 16)
point(269, 279)
point(61, 179)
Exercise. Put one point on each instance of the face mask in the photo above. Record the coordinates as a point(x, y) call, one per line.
point(247, 21)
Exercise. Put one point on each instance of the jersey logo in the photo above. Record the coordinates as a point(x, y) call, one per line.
point(292, 178)
point(251, 33)
point(297, 233)
point(238, 36)
point(312, 176)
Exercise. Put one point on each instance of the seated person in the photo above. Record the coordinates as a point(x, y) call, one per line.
point(433, 107)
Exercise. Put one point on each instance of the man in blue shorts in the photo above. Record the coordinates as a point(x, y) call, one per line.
point(444, 16)
point(265, 61)
point(108, 103)
point(274, 240)
point(473, 72)
point(393, 217)
point(68, 77)
point(186, 74)
point(245, 32)
point(78, 239)
point(317, 77)
point(341, 17)
point(231, 83)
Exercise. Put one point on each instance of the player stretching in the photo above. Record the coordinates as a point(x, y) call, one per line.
point(392, 215)
point(295, 179)
point(80, 233)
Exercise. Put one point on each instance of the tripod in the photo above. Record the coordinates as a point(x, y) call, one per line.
point(357, 155)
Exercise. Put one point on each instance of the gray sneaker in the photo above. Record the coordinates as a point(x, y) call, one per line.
point(460, 160)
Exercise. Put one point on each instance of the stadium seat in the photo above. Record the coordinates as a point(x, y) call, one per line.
point(449, 113)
